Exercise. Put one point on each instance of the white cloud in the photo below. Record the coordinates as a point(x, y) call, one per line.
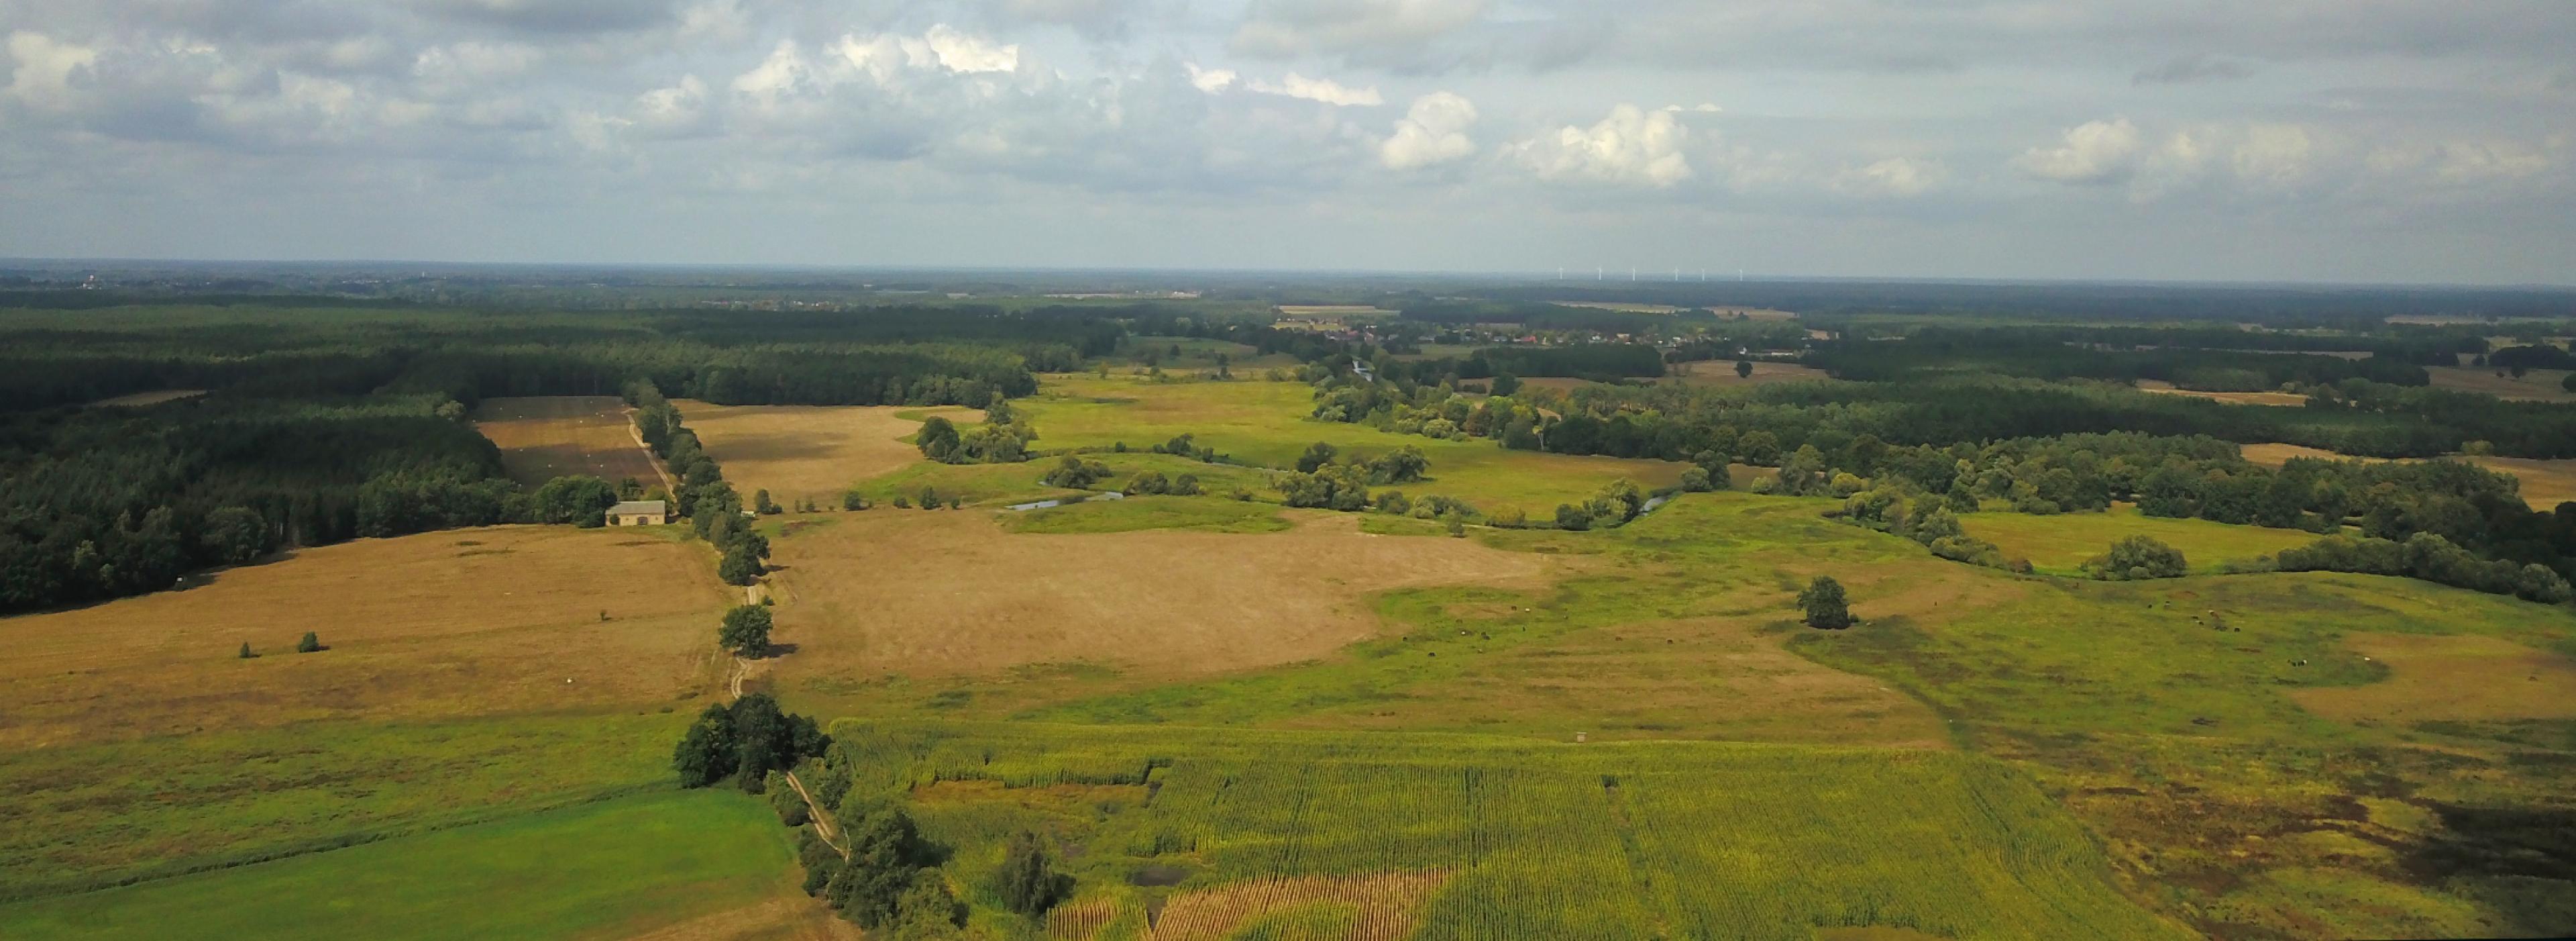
point(959, 52)
point(2092, 152)
point(1210, 81)
point(2278, 155)
point(42, 77)
point(1701, 108)
point(1319, 89)
point(785, 72)
point(1894, 176)
point(1432, 132)
point(1631, 147)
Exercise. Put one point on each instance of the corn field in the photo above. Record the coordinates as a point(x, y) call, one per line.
point(1384, 836)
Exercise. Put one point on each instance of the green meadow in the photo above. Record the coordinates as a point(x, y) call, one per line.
point(1523, 839)
point(594, 870)
point(2058, 544)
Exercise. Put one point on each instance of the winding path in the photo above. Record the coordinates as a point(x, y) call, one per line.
point(824, 826)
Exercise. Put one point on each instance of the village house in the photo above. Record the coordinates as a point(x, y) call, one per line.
point(639, 513)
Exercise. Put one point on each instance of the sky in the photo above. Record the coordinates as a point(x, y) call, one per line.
point(2289, 140)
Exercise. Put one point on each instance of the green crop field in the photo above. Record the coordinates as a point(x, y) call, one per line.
point(1525, 840)
point(2059, 544)
point(92, 815)
point(599, 869)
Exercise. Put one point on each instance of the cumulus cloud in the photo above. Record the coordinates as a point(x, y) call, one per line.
point(43, 69)
point(2090, 153)
point(1631, 147)
point(1433, 131)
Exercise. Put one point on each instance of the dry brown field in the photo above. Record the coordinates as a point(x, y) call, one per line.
point(1722, 373)
point(139, 399)
point(457, 623)
point(919, 594)
point(810, 451)
point(1333, 310)
point(545, 437)
point(2161, 387)
point(2544, 483)
point(2465, 677)
point(2539, 385)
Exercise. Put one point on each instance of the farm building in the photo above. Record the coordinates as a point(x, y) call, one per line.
point(639, 513)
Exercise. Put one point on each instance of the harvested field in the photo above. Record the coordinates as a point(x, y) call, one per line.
point(1334, 310)
point(882, 593)
point(463, 622)
point(1722, 373)
point(2454, 678)
point(2161, 387)
point(810, 451)
point(2544, 483)
point(2538, 385)
point(545, 437)
point(1374, 907)
point(140, 399)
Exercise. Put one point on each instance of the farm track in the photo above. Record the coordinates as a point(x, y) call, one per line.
point(824, 827)
point(669, 486)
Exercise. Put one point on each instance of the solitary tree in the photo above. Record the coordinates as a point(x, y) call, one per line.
point(311, 642)
point(761, 503)
point(745, 630)
point(1505, 383)
point(1824, 604)
point(245, 651)
point(1744, 369)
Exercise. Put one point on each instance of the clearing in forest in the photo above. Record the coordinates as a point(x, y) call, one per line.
point(1265, 423)
point(2538, 385)
point(810, 451)
point(1720, 372)
point(545, 437)
point(140, 399)
point(2058, 544)
point(461, 622)
point(2161, 387)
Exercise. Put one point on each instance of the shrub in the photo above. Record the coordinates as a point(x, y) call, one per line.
point(311, 643)
point(2136, 557)
point(1824, 605)
point(245, 651)
point(853, 501)
point(1030, 884)
point(1695, 480)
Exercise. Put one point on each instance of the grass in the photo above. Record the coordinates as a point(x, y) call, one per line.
point(1262, 423)
point(2059, 544)
point(80, 817)
point(1523, 839)
point(613, 866)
